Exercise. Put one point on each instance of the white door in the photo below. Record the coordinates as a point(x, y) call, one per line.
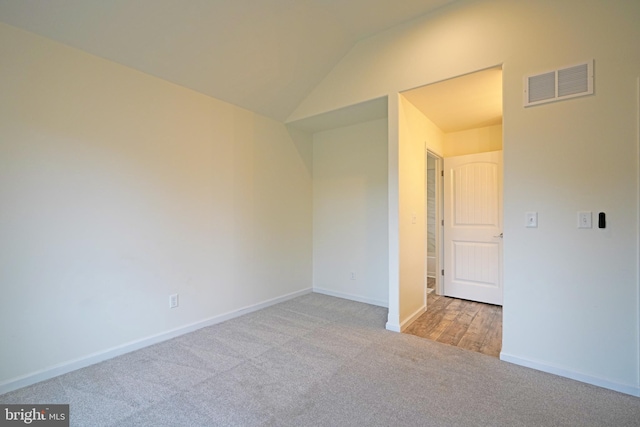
point(473, 227)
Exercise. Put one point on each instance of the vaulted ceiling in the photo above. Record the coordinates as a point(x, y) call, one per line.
point(263, 55)
point(461, 103)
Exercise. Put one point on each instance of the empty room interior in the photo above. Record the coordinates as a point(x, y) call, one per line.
point(168, 168)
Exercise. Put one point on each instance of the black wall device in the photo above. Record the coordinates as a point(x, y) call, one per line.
point(602, 220)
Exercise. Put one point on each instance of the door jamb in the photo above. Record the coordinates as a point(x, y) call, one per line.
point(439, 235)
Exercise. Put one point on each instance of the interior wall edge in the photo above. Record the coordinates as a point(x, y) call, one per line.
point(393, 117)
point(638, 224)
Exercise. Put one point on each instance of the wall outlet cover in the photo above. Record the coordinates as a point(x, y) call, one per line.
point(173, 301)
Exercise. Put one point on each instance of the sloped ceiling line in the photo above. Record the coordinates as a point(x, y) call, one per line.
point(264, 56)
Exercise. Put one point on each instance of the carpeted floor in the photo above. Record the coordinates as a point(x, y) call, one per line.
point(321, 361)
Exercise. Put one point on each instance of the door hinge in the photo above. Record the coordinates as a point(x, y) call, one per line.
point(443, 272)
point(442, 222)
point(441, 173)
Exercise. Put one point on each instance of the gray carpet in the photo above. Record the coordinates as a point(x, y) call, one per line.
point(321, 361)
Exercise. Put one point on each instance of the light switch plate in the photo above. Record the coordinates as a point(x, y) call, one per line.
point(531, 219)
point(584, 220)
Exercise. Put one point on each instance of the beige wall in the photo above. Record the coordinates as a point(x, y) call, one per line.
point(416, 134)
point(119, 189)
point(416, 130)
point(479, 140)
point(572, 310)
point(350, 212)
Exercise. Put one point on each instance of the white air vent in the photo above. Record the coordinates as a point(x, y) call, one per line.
point(559, 84)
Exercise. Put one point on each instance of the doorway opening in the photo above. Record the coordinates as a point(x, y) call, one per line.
point(461, 268)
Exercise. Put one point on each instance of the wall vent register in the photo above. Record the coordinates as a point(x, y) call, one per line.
point(560, 84)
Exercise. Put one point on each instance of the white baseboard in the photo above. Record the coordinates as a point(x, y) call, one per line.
point(539, 366)
point(394, 324)
point(393, 327)
point(409, 320)
point(63, 368)
point(351, 297)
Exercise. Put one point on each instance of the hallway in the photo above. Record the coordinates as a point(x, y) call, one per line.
point(467, 324)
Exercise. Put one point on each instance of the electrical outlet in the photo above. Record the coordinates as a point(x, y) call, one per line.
point(173, 301)
point(353, 276)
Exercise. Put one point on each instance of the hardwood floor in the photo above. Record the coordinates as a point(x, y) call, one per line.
point(470, 325)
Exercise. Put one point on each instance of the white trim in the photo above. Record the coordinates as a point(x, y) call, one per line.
point(393, 105)
point(600, 382)
point(393, 327)
point(638, 230)
point(72, 365)
point(409, 320)
point(439, 288)
point(351, 297)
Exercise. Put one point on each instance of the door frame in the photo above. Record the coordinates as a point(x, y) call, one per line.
point(439, 227)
